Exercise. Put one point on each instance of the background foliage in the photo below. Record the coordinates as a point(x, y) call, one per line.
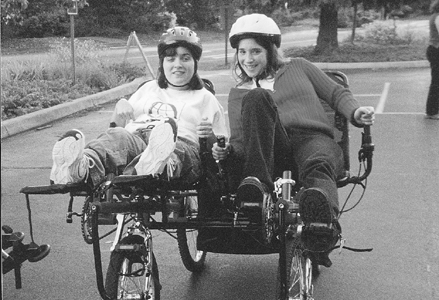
point(42, 18)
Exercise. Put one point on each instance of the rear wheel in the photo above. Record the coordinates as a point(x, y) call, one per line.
point(193, 259)
point(131, 276)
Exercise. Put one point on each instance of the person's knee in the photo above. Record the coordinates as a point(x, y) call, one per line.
point(257, 97)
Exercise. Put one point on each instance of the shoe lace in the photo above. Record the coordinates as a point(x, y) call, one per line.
point(90, 161)
point(87, 163)
point(172, 165)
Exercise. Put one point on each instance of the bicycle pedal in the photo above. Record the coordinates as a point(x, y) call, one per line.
point(8, 240)
point(36, 253)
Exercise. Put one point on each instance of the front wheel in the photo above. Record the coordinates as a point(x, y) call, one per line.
point(86, 222)
point(131, 276)
point(193, 259)
point(299, 272)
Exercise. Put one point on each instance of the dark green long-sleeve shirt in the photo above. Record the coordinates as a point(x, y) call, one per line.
point(298, 88)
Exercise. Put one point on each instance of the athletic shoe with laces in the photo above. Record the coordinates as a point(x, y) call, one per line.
point(251, 192)
point(321, 231)
point(161, 145)
point(70, 164)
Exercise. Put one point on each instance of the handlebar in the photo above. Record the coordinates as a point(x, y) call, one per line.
point(364, 155)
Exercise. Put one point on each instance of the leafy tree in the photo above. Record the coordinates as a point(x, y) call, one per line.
point(11, 11)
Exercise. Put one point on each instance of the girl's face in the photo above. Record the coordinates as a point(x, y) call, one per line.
point(179, 69)
point(252, 57)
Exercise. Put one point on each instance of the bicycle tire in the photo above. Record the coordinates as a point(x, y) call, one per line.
point(299, 273)
point(86, 224)
point(193, 259)
point(127, 276)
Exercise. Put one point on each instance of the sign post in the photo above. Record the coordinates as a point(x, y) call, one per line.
point(72, 12)
point(226, 10)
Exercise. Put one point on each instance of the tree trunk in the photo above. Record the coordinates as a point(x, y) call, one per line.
point(327, 39)
point(354, 23)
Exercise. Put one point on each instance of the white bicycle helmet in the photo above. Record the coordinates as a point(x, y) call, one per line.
point(181, 36)
point(254, 25)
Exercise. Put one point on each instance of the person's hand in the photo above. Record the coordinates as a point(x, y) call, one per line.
point(365, 115)
point(204, 129)
point(220, 153)
point(123, 111)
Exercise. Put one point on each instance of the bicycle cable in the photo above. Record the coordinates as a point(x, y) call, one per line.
point(364, 186)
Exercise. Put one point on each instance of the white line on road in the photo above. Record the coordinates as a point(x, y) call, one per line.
point(367, 95)
point(380, 107)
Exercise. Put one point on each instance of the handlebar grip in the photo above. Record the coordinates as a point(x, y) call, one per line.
point(221, 140)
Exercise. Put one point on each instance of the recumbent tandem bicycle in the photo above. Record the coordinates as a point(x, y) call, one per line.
point(133, 206)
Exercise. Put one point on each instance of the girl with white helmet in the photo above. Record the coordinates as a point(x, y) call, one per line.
point(170, 115)
point(278, 123)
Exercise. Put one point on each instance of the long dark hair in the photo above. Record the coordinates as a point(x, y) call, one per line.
point(194, 84)
point(274, 61)
point(434, 7)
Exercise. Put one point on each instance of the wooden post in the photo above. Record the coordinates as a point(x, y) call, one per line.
point(226, 29)
point(136, 39)
point(72, 43)
point(143, 54)
point(128, 47)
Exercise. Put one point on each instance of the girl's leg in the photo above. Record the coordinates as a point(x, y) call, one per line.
point(112, 151)
point(320, 161)
point(266, 144)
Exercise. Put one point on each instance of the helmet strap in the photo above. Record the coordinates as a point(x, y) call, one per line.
point(174, 85)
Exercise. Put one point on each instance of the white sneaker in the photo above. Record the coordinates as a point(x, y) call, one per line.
point(161, 145)
point(70, 164)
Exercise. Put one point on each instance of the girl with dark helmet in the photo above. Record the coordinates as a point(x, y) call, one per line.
point(157, 130)
point(277, 123)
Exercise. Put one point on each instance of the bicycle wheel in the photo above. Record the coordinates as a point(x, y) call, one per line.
point(131, 276)
point(299, 273)
point(86, 227)
point(193, 259)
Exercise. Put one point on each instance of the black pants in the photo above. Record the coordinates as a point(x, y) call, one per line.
point(432, 107)
point(270, 148)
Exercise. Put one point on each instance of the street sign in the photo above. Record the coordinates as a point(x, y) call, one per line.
point(73, 11)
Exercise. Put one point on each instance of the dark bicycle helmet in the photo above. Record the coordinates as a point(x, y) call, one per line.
point(181, 36)
point(254, 25)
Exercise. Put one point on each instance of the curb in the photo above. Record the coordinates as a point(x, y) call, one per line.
point(374, 65)
point(46, 116)
point(42, 117)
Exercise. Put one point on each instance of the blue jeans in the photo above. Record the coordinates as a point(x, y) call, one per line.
point(269, 149)
point(117, 151)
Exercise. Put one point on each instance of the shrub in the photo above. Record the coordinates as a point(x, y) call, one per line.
point(283, 17)
point(381, 33)
point(53, 23)
point(87, 51)
point(21, 97)
point(32, 85)
point(387, 33)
